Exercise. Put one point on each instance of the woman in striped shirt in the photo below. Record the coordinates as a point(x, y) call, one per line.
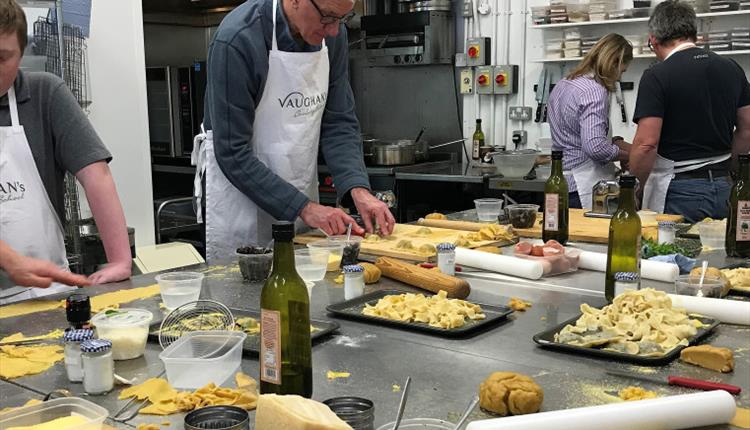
point(578, 111)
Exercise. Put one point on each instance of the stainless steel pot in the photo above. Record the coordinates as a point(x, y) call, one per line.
point(392, 153)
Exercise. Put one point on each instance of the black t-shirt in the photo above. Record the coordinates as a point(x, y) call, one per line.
point(697, 94)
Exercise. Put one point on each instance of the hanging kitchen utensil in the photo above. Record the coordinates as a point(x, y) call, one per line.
point(621, 101)
point(541, 84)
point(419, 135)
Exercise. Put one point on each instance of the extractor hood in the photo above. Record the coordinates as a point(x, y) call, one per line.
point(189, 6)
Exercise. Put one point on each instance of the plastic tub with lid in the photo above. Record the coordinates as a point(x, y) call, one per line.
point(126, 328)
point(200, 357)
point(91, 416)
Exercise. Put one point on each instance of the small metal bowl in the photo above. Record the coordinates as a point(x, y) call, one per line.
point(217, 418)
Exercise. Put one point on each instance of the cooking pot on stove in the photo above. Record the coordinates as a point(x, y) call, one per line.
point(381, 152)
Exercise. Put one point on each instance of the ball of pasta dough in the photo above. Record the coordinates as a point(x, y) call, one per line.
point(372, 273)
point(509, 393)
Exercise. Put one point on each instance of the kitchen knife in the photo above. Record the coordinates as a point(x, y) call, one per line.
point(621, 102)
point(697, 384)
point(551, 78)
point(540, 85)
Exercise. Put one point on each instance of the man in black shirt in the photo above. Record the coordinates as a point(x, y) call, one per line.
point(693, 116)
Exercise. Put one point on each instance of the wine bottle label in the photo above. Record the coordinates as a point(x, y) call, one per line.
point(551, 211)
point(270, 346)
point(475, 144)
point(743, 220)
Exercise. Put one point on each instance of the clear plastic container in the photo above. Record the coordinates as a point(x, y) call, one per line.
point(200, 357)
point(178, 288)
point(335, 252)
point(420, 424)
point(352, 244)
point(578, 12)
point(558, 19)
point(640, 12)
point(540, 15)
point(488, 209)
point(572, 53)
point(689, 285)
point(604, 6)
point(311, 263)
point(126, 328)
point(712, 234)
point(621, 14)
point(54, 409)
point(589, 41)
point(572, 34)
point(522, 215)
point(572, 44)
point(553, 54)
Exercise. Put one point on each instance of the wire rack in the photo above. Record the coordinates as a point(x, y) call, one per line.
point(46, 42)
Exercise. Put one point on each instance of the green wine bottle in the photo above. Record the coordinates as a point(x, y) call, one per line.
point(624, 250)
point(285, 345)
point(477, 140)
point(555, 224)
point(737, 241)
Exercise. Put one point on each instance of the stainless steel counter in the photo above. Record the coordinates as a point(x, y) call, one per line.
point(445, 372)
point(457, 172)
point(517, 184)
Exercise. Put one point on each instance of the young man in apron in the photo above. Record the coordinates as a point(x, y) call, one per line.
point(276, 91)
point(44, 133)
point(693, 113)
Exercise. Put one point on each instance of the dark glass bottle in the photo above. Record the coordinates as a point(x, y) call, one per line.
point(738, 223)
point(286, 348)
point(555, 225)
point(624, 250)
point(477, 140)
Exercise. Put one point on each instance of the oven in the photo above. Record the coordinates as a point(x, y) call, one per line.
point(175, 97)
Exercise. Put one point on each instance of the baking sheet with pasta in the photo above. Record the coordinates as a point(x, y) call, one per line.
point(546, 339)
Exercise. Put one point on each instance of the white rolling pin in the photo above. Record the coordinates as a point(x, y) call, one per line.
point(499, 263)
point(725, 310)
point(666, 413)
point(656, 270)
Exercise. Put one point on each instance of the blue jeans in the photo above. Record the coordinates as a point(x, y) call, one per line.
point(696, 199)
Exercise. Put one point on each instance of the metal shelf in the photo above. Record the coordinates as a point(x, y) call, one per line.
point(44, 4)
point(634, 20)
point(574, 59)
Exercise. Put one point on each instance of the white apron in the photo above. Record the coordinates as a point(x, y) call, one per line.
point(590, 172)
point(664, 170)
point(28, 221)
point(285, 138)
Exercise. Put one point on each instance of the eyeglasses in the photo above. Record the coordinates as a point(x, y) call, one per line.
point(328, 19)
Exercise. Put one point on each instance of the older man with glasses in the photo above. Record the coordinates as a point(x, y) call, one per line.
point(278, 88)
point(693, 115)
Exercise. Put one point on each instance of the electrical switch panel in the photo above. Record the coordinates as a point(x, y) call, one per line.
point(478, 51)
point(467, 81)
point(483, 80)
point(505, 79)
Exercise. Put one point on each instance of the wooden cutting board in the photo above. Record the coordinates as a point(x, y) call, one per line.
point(387, 247)
point(580, 228)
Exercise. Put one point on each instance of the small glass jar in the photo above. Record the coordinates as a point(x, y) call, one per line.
point(73, 339)
point(98, 366)
point(626, 281)
point(359, 413)
point(354, 281)
point(446, 258)
point(666, 231)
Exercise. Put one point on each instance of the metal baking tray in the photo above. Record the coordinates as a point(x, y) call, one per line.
point(733, 292)
point(352, 309)
point(546, 339)
point(252, 342)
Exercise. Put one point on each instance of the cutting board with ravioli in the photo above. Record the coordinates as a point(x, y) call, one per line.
point(586, 229)
point(387, 247)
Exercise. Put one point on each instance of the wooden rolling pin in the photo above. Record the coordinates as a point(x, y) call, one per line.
point(426, 279)
point(454, 225)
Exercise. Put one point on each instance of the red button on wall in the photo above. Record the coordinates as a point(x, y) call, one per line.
point(482, 79)
point(473, 51)
point(500, 79)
